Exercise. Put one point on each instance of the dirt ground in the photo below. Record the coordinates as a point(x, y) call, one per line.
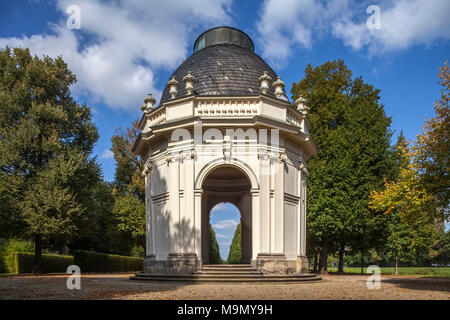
point(118, 286)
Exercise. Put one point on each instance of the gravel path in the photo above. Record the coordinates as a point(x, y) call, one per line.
point(118, 286)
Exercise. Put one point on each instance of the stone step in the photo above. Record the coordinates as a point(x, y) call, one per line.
point(228, 266)
point(242, 279)
point(227, 272)
point(228, 275)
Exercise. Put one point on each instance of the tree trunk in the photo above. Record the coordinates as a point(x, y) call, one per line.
point(323, 257)
point(362, 260)
point(316, 254)
point(341, 257)
point(37, 254)
point(396, 264)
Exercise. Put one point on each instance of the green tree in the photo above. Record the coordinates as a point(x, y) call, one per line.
point(46, 139)
point(129, 186)
point(442, 247)
point(128, 174)
point(214, 253)
point(432, 150)
point(407, 211)
point(130, 214)
point(351, 129)
point(235, 254)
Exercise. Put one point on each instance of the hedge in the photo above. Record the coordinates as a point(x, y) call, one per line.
point(89, 261)
point(23, 262)
point(8, 249)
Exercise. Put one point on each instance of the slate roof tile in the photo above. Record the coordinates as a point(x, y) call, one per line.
point(223, 70)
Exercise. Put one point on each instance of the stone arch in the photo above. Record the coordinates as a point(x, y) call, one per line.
point(230, 182)
point(219, 162)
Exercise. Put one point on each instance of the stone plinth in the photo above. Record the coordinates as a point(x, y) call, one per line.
point(176, 264)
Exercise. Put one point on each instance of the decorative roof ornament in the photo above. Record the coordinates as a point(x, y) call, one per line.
point(279, 87)
point(173, 87)
point(264, 80)
point(301, 106)
point(189, 81)
point(148, 167)
point(149, 102)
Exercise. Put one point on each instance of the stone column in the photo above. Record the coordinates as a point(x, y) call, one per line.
point(198, 224)
point(174, 201)
point(265, 228)
point(256, 228)
point(278, 213)
point(302, 259)
point(188, 212)
point(269, 261)
point(149, 218)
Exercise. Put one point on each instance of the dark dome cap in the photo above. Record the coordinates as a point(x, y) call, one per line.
point(221, 35)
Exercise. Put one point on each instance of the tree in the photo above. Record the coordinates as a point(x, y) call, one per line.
point(408, 209)
point(352, 133)
point(129, 186)
point(235, 254)
point(46, 139)
point(214, 253)
point(130, 214)
point(432, 150)
point(128, 174)
point(442, 247)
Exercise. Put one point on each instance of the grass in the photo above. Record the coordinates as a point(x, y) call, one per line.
point(423, 271)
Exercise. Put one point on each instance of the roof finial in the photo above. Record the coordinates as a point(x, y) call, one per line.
point(173, 87)
point(189, 81)
point(264, 80)
point(279, 86)
point(149, 102)
point(301, 106)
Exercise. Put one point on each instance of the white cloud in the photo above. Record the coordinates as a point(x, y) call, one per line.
point(107, 154)
point(225, 224)
point(221, 207)
point(286, 25)
point(121, 44)
point(403, 24)
point(222, 236)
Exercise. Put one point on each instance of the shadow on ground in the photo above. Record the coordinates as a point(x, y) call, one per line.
point(422, 283)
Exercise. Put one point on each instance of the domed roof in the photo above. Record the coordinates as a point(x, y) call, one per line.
point(223, 64)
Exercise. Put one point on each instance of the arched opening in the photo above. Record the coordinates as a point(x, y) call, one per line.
point(230, 185)
point(225, 236)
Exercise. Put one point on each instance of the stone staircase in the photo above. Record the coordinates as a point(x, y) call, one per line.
point(227, 273)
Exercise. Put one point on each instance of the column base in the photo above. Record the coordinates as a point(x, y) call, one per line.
point(272, 263)
point(302, 265)
point(176, 264)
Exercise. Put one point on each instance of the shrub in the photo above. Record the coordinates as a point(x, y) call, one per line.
point(89, 261)
point(235, 254)
point(8, 248)
point(23, 263)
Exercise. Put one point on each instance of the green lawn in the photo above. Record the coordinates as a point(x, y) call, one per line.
point(425, 271)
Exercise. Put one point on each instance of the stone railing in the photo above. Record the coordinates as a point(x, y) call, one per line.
point(219, 108)
point(294, 118)
point(157, 117)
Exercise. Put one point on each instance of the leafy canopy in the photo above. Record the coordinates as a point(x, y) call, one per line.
point(45, 143)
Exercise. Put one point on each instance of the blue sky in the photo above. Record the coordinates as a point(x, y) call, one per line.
point(224, 219)
point(125, 49)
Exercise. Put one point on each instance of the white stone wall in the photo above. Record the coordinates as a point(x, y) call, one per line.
point(173, 185)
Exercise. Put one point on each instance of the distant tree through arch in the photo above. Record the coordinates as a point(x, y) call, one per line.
point(225, 219)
